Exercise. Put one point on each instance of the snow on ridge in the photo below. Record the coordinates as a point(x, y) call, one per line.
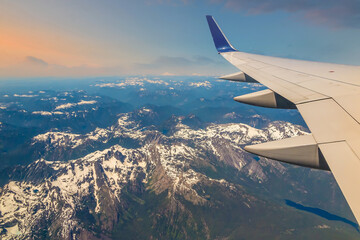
point(236, 133)
point(83, 168)
point(98, 134)
point(59, 139)
point(231, 115)
point(279, 130)
point(124, 128)
point(146, 109)
point(132, 81)
point(200, 84)
point(67, 105)
point(46, 113)
point(25, 95)
point(83, 102)
point(70, 105)
point(240, 133)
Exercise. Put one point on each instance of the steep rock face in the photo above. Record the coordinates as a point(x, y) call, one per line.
point(96, 195)
point(94, 183)
point(93, 187)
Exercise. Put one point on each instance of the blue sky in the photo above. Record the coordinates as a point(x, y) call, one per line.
point(109, 38)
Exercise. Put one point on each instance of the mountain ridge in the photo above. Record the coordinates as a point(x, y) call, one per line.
point(89, 196)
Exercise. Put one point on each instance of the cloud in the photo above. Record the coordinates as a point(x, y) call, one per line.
point(334, 13)
point(35, 61)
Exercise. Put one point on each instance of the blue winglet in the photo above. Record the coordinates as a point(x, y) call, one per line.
point(220, 41)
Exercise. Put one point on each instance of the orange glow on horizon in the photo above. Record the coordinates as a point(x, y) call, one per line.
point(16, 44)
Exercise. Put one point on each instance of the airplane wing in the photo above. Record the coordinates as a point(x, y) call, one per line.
point(327, 96)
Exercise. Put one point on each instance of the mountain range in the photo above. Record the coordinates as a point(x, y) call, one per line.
point(156, 172)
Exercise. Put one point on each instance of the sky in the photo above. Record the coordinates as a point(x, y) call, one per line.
point(86, 38)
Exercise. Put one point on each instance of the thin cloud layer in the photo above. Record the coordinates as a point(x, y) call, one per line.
point(334, 13)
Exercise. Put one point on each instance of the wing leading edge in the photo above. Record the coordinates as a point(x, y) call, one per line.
point(324, 94)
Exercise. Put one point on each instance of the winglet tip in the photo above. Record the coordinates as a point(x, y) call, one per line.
point(220, 40)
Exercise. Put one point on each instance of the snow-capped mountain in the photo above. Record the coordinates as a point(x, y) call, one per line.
point(96, 164)
point(87, 197)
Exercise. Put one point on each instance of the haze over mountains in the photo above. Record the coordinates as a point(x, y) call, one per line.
point(154, 158)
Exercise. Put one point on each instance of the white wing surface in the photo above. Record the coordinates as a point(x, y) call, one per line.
point(328, 98)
